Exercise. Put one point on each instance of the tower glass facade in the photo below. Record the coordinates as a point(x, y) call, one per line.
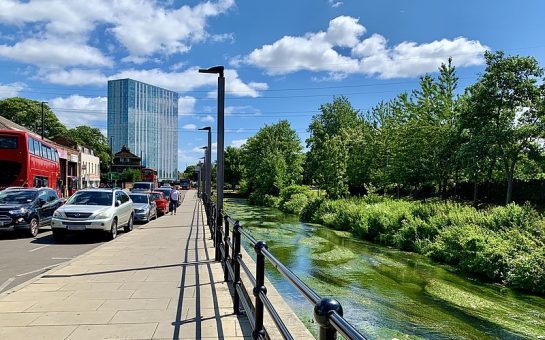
point(145, 119)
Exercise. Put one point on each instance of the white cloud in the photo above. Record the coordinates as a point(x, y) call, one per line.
point(335, 3)
point(237, 143)
point(144, 27)
point(78, 110)
point(208, 119)
point(73, 77)
point(54, 52)
point(186, 105)
point(189, 127)
point(320, 52)
point(11, 90)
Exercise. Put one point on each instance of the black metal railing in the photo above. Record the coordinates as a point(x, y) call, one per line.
point(328, 312)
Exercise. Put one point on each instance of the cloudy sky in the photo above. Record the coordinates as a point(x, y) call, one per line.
point(283, 59)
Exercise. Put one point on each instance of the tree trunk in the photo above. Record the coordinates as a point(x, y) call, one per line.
point(510, 174)
point(475, 192)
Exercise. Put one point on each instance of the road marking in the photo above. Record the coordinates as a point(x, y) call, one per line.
point(5, 284)
point(31, 250)
point(38, 270)
point(62, 258)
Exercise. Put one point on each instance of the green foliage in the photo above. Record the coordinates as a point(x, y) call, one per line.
point(294, 198)
point(272, 159)
point(496, 244)
point(130, 175)
point(266, 200)
point(93, 138)
point(233, 165)
point(28, 113)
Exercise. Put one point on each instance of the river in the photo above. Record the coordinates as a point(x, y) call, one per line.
point(386, 292)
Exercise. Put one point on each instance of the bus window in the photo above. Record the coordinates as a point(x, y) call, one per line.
point(30, 145)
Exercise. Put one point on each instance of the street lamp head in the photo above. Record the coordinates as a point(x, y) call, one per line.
point(204, 147)
point(206, 128)
point(215, 69)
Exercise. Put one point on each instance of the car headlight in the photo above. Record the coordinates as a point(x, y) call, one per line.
point(104, 214)
point(20, 211)
point(57, 213)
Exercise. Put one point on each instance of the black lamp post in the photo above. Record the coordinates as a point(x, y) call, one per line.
point(221, 105)
point(208, 163)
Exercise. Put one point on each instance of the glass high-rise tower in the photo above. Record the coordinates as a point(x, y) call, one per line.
point(145, 119)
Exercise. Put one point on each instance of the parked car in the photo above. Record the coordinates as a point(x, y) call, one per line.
point(94, 209)
point(160, 201)
point(142, 186)
point(27, 209)
point(166, 185)
point(145, 207)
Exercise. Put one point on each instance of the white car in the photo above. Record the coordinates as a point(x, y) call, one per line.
point(94, 209)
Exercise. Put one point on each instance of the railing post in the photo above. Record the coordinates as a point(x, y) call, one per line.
point(217, 236)
point(259, 331)
point(226, 248)
point(236, 266)
point(322, 311)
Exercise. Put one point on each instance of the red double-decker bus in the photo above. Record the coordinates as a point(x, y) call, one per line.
point(27, 161)
point(149, 175)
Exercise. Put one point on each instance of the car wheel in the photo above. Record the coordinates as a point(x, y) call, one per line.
point(112, 234)
point(59, 234)
point(34, 227)
point(129, 225)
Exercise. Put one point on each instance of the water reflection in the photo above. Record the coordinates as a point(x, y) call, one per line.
point(386, 292)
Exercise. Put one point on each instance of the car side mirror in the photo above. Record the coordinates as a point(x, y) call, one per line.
point(117, 203)
point(41, 203)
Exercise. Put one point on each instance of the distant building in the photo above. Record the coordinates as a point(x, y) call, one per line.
point(125, 159)
point(144, 118)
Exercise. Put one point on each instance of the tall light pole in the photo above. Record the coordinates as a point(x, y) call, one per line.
point(205, 172)
point(208, 161)
point(43, 119)
point(219, 177)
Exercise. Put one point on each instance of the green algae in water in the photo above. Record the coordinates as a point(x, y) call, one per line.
point(386, 292)
point(334, 256)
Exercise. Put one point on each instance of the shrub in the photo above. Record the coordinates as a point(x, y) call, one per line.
point(295, 204)
point(309, 212)
point(263, 200)
point(527, 271)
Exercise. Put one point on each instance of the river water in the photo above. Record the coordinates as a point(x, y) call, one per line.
point(386, 292)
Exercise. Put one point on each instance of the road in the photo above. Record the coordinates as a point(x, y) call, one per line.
point(22, 258)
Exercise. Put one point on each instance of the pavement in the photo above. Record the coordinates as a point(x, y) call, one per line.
point(157, 282)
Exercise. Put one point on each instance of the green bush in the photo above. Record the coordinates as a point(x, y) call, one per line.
point(295, 204)
point(264, 200)
point(527, 271)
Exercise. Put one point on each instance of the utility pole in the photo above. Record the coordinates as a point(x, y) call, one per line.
point(208, 162)
point(43, 129)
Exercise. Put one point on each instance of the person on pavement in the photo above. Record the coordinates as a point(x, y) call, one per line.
point(173, 201)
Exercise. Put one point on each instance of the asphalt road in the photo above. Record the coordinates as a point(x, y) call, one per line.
point(22, 257)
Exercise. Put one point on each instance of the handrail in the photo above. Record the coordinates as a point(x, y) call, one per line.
point(328, 312)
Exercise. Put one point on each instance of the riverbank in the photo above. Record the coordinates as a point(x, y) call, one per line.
point(387, 293)
point(505, 245)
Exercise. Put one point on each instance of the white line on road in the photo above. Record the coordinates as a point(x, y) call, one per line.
point(31, 250)
point(62, 258)
point(38, 270)
point(5, 284)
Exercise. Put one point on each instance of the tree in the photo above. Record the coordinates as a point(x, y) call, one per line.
point(233, 165)
point(329, 143)
point(272, 159)
point(190, 173)
point(505, 112)
point(131, 175)
point(93, 138)
point(28, 113)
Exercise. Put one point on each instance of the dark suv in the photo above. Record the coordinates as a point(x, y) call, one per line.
point(27, 209)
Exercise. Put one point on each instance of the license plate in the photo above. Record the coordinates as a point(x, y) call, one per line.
point(75, 227)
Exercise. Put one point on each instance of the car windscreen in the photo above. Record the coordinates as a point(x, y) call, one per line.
point(145, 186)
point(156, 196)
point(139, 198)
point(165, 192)
point(91, 198)
point(17, 196)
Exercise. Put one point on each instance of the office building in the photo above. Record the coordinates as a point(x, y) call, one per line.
point(144, 118)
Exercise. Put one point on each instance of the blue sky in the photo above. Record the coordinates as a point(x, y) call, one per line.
point(283, 59)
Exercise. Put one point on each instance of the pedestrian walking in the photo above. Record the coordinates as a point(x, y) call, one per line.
point(173, 201)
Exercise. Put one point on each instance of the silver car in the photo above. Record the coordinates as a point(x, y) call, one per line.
point(145, 207)
point(94, 209)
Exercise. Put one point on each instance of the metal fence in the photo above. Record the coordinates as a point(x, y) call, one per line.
point(328, 312)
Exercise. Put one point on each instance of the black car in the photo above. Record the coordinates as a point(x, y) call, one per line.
point(27, 209)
